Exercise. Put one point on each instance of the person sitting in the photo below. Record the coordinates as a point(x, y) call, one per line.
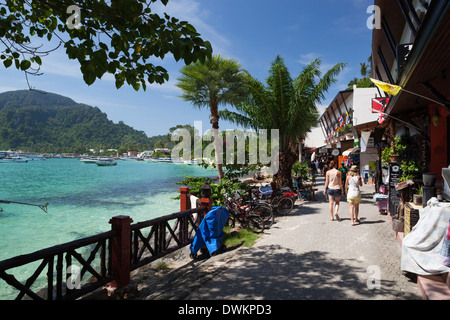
point(275, 190)
point(306, 192)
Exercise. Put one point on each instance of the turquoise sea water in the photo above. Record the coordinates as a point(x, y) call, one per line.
point(82, 199)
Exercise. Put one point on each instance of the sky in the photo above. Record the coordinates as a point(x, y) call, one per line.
point(253, 32)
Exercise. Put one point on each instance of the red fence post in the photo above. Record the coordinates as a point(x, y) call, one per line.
point(206, 202)
point(121, 251)
point(185, 200)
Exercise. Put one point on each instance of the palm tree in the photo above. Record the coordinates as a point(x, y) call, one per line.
point(286, 104)
point(216, 81)
point(365, 70)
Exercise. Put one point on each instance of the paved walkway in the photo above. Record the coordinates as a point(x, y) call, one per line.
point(303, 256)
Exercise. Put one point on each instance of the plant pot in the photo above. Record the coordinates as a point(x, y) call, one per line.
point(417, 199)
point(394, 157)
point(429, 179)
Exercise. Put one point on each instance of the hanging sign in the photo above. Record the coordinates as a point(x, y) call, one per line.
point(379, 104)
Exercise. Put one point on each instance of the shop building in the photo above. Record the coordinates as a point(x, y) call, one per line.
point(411, 49)
point(348, 125)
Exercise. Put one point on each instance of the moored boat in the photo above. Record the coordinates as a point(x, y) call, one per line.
point(106, 162)
point(89, 160)
point(13, 159)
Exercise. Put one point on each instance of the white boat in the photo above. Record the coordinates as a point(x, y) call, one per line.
point(89, 160)
point(13, 159)
point(167, 160)
point(31, 156)
point(190, 162)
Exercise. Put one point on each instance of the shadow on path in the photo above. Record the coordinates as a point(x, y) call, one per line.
point(276, 273)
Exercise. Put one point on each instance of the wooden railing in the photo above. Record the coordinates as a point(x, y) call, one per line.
point(63, 254)
point(111, 256)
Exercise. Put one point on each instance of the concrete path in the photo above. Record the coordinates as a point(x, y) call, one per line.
point(303, 256)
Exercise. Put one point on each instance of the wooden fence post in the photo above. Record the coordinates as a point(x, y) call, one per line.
point(185, 199)
point(121, 251)
point(206, 202)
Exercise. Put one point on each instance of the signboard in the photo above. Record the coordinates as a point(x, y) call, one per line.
point(394, 196)
point(335, 152)
point(379, 104)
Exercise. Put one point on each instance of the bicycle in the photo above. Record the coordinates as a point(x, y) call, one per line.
point(282, 202)
point(261, 207)
point(246, 217)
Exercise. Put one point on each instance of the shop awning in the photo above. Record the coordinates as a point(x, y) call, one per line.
point(350, 152)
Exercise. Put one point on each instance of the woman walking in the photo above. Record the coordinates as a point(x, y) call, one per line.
point(352, 185)
point(334, 189)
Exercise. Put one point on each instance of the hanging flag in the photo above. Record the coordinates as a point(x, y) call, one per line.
point(386, 87)
point(341, 121)
point(379, 105)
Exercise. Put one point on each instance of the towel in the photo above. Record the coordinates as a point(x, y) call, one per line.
point(422, 247)
point(210, 231)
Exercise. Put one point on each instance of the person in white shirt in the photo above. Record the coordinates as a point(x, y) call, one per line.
point(352, 184)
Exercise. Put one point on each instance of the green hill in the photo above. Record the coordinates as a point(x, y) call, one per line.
point(47, 122)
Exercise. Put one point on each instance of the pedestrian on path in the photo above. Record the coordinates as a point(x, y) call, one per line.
point(352, 185)
point(334, 189)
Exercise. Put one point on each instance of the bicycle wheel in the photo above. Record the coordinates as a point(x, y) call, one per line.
point(231, 222)
point(266, 214)
point(255, 223)
point(285, 205)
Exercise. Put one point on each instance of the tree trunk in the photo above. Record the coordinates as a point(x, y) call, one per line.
point(215, 126)
point(287, 160)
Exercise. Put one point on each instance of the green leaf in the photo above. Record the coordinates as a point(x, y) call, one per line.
point(38, 60)
point(25, 64)
point(8, 62)
point(136, 86)
point(89, 78)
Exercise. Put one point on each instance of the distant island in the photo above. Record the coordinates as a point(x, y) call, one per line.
point(46, 122)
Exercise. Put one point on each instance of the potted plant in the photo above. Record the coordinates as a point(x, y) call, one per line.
point(398, 149)
point(409, 170)
point(392, 154)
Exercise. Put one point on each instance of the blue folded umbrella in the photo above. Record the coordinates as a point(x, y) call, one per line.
point(210, 231)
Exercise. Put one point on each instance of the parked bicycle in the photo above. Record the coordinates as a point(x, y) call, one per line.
point(244, 215)
point(282, 202)
point(261, 207)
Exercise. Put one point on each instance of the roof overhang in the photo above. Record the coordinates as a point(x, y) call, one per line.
point(427, 70)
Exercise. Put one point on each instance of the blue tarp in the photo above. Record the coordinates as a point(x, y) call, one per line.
point(210, 231)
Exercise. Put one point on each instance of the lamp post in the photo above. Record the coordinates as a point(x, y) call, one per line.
point(206, 190)
point(206, 196)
